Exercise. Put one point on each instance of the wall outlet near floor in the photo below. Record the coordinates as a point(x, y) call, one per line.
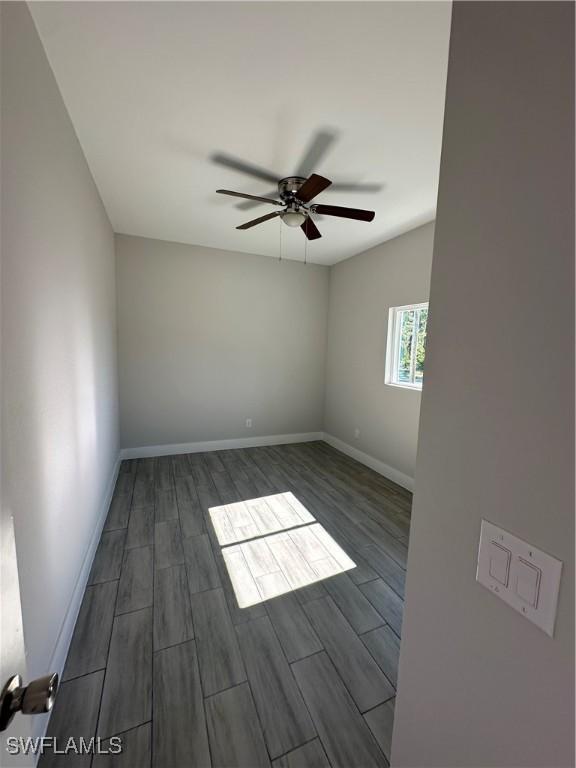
point(248, 423)
point(356, 433)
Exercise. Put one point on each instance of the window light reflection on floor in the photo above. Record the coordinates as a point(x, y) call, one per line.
point(273, 545)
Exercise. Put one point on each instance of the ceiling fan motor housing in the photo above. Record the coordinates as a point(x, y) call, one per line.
point(288, 187)
point(295, 214)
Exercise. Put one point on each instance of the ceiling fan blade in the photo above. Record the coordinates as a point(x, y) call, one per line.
point(249, 197)
point(312, 187)
point(248, 204)
point(336, 187)
point(310, 229)
point(345, 213)
point(248, 168)
point(259, 221)
point(344, 187)
point(317, 148)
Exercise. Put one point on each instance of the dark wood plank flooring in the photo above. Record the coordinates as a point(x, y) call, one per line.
point(164, 657)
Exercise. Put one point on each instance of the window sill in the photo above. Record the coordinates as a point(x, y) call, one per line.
point(411, 387)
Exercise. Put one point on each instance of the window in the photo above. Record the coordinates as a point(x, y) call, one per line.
point(406, 345)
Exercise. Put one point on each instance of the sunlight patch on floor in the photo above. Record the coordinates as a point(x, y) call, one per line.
point(273, 545)
point(258, 517)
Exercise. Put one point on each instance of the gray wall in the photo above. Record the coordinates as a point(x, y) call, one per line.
point(59, 398)
point(208, 338)
point(362, 289)
point(478, 684)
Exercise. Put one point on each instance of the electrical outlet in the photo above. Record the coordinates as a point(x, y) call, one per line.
point(248, 423)
point(356, 433)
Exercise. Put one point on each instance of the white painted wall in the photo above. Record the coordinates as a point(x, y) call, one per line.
point(478, 684)
point(362, 290)
point(59, 396)
point(208, 338)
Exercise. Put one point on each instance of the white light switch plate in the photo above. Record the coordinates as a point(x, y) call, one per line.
point(526, 578)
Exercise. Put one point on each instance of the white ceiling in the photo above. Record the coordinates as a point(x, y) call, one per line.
point(155, 88)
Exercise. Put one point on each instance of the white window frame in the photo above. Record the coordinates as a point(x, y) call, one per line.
point(393, 347)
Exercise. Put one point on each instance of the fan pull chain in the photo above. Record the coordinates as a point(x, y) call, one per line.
point(306, 247)
point(280, 240)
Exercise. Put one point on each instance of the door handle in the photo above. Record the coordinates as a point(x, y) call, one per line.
point(32, 699)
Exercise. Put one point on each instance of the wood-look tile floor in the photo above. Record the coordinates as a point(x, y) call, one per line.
point(244, 609)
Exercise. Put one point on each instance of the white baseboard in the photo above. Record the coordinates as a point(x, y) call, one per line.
point(364, 458)
point(62, 644)
point(60, 652)
point(146, 451)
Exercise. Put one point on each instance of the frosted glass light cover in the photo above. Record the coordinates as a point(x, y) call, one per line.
point(293, 218)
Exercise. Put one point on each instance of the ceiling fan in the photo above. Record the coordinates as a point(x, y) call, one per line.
point(319, 146)
point(295, 194)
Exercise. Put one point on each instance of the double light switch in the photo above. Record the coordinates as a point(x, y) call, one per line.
point(524, 577)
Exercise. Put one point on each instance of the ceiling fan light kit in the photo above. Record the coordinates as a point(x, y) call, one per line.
point(295, 193)
point(293, 218)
